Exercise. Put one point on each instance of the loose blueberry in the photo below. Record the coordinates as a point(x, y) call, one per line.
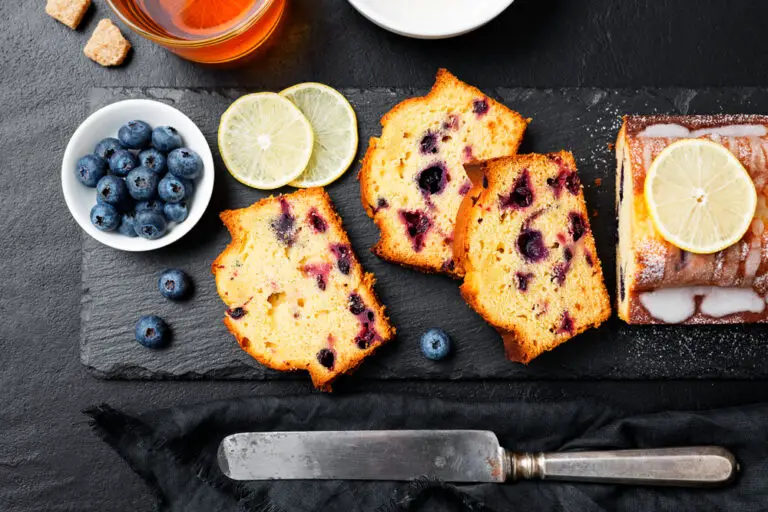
point(106, 147)
point(153, 205)
point(185, 163)
point(521, 195)
point(127, 225)
point(172, 189)
point(174, 284)
point(135, 135)
point(530, 243)
point(90, 169)
point(326, 357)
point(105, 217)
point(152, 332)
point(166, 138)
point(122, 162)
point(176, 212)
point(432, 179)
point(150, 225)
point(142, 183)
point(153, 160)
point(435, 344)
point(112, 190)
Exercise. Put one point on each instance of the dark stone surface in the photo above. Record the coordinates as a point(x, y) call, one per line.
point(49, 461)
point(119, 287)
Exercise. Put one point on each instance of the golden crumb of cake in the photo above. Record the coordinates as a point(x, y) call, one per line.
point(297, 297)
point(69, 12)
point(524, 242)
point(107, 46)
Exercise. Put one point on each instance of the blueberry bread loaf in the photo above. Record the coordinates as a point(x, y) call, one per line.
point(523, 241)
point(413, 179)
point(296, 296)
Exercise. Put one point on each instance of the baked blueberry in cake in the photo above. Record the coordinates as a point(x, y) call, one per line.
point(296, 295)
point(413, 179)
point(660, 283)
point(524, 243)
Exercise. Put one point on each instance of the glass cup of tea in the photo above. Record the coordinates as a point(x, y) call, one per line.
point(207, 31)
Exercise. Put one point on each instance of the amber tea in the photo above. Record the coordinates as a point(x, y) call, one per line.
point(204, 30)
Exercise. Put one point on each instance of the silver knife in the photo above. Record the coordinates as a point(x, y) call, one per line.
point(458, 456)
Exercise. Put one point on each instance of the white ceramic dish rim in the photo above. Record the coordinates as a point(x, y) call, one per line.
point(128, 110)
point(460, 26)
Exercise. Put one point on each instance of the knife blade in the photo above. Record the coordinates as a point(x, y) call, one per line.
point(457, 456)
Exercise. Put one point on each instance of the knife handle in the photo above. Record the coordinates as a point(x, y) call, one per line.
point(695, 466)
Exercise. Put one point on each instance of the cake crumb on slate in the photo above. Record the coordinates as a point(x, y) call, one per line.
point(107, 46)
point(69, 12)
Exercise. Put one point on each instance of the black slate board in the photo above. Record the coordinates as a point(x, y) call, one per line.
point(119, 287)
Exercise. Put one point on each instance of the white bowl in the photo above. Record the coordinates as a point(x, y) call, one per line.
point(430, 19)
point(105, 123)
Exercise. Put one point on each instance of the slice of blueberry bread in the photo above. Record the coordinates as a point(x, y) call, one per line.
point(413, 180)
point(296, 296)
point(524, 243)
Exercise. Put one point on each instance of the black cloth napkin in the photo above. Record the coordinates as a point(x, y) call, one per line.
point(174, 450)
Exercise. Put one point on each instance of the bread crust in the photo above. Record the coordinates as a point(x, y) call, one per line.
point(321, 380)
point(384, 248)
point(518, 346)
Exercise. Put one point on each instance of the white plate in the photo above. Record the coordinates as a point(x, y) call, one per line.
point(105, 123)
point(430, 19)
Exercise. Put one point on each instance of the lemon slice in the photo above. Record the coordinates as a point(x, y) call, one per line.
point(335, 126)
point(699, 196)
point(265, 140)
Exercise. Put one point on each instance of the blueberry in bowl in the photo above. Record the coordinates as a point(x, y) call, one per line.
point(153, 159)
point(152, 332)
point(106, 147)
point(150, 225)
point(90, 169)
point(176, 212)
point(135, 135)
point(127, 226)
point(172, 189)
point(153, 205)
point(112, 190)
point(122, 161)
point(142, 183)
point(185, 163)
point(105, 217)
point(435, 344)
point(174, 284)
point(166, 138)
